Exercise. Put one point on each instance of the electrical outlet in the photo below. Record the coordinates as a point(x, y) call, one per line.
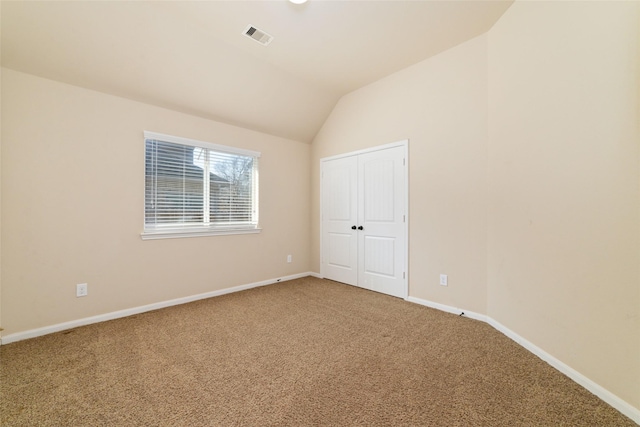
point(288, 258)
point(444, 280)
point(82, 290)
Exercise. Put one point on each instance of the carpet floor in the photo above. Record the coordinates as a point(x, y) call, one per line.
point(307, 352)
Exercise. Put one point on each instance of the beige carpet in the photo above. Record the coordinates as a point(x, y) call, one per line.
point(298, 353)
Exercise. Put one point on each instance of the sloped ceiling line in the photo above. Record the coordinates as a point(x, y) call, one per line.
point(192, 56)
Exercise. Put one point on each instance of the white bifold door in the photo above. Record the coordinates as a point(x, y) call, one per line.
point(364, 232)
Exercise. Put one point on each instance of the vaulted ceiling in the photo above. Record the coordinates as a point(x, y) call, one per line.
point(193, 56)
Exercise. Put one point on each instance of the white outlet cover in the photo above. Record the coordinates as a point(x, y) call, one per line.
point(82, 290)
point(444, 280)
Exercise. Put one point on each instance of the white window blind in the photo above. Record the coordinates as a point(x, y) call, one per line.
point(197, 188)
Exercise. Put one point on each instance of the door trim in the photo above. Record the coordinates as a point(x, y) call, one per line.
point(404, 143)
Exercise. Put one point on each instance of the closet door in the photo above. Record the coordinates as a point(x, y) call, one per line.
point(363, 220)
point(381, 205)
point(339, 219)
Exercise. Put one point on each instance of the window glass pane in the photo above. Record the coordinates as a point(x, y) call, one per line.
point(174, 184)
point(231, 188)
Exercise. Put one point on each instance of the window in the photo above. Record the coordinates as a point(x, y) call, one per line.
point(194, 188)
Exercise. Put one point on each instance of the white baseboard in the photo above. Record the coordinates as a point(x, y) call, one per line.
point(32, 333)
point(448, 309)
point(622, 406)
point(604, 394)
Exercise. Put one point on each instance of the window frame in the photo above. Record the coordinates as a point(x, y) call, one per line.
point(170, 231)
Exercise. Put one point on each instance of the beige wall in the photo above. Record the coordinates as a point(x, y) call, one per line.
point(72, 212)
point(524, 189)
point(440, 105)
point(1, 199)
point(563, 185)
point(524, 179)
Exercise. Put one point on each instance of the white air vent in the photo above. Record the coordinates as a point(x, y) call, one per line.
point(258, 35)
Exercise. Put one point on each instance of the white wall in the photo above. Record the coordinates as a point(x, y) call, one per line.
point(72, 211)
point(564, 200)
point(440, 105)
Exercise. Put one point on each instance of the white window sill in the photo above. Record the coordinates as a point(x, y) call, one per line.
point(196, 232)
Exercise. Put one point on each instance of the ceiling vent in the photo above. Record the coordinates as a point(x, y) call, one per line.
point(258, 35)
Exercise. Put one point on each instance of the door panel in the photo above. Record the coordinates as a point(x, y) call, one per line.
point(338, 178)
point(379, 254)
point(381, 204)
point(377, 189)
point(339, 214)
point(340, 249)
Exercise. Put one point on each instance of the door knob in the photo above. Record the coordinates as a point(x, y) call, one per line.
point(353, 227)
point(361, 228)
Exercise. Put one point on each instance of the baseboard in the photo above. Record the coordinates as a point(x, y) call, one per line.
point(619, 404)
point(604, 394)
point(448, 309)
point(32, 333)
